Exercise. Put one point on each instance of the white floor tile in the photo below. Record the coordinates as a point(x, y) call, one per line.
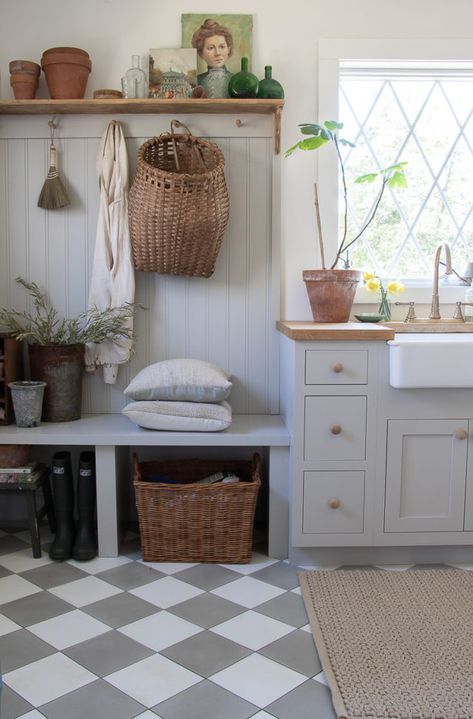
point(306, 628)
point(99, 564)
point(68, 629)
point(252, 630)
point(35, 714)
point(85, 591)
point(262, 715)
point(153, 680)
point(168, 567)
point(321, 678)
point(248, 591)
point(296, 590)
point(14, 587)
point(461, 565)
point(23, 560)
point(148, 715)
point(166, 592)
point(160, 630)
point(45, 534)
point(7, 626)
point(258, 561)
point(48, 679)
point(394, 567)
point(258, 680)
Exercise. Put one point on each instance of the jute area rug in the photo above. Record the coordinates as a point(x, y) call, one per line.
point(394, 645)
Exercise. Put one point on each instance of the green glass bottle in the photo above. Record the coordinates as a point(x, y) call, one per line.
point(269, 88)
point(243, 84)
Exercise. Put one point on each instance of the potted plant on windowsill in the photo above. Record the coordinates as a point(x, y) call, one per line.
point(332, 290)
point(56, 346)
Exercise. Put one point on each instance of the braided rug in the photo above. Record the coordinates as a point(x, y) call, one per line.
point(394, 645)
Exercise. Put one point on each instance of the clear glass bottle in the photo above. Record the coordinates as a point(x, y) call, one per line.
point(134, 84)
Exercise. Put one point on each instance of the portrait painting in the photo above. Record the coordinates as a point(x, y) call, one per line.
point(220, 41)
point(172, 72)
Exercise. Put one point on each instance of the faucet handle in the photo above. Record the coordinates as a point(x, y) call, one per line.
point(458, 314)
point(411, 313)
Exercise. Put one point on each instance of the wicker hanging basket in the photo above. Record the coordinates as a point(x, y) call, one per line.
point(178, 205)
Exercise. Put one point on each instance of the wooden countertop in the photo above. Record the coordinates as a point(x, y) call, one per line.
point(299, 330)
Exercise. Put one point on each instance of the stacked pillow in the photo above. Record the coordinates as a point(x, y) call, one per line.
point(185, 395)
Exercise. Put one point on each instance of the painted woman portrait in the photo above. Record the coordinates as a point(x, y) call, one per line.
point(214, 44)
point(221, 41)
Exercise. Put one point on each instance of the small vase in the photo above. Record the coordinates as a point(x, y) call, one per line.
point(269, 88)
point(384, 307)
point(243, 84)
point(27, 402)
point(134, 81)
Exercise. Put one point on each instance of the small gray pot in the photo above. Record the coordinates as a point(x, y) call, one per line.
point(27, 399)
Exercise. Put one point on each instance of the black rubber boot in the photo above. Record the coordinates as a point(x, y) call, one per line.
point(85, 545)
point(63, 491)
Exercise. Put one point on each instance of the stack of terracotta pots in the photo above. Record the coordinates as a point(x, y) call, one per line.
point(66, 70)
point(24, 76)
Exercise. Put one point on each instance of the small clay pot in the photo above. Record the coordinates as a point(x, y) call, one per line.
point(24, 86)
point(20, 67)
point(14, 455)
point(66, 71)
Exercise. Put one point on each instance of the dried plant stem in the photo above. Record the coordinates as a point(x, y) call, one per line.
point(319, 226)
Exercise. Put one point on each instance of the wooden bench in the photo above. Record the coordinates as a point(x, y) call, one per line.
point(112, 436)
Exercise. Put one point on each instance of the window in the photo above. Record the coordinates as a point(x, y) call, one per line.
point(401, 103)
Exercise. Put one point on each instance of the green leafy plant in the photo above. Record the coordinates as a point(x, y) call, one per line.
point(394, 176)
point(44, 326)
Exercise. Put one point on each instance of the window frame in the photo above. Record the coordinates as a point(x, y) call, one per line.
point(330, 53)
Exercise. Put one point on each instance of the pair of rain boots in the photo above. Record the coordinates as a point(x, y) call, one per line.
point(79, 543)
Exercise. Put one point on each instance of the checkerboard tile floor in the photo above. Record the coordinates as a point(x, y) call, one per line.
point(119, 638)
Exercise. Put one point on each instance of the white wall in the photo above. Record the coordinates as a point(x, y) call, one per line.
point(285, 36)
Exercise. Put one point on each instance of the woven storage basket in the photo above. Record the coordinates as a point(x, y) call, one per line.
point(190, 522)
point(178, 205)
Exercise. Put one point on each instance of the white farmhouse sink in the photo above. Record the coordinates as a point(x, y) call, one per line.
point(431, 360)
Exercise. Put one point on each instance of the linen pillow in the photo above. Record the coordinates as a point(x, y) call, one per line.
point(180, 416)
point(182, 380)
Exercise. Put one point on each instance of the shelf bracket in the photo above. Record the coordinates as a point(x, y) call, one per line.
point(277, 130)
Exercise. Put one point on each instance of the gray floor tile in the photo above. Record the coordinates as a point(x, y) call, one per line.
point(9, 544)
point(108, 653)
point(35, 608)
point(296, 651)
point(207, 576)
point(364, 567)
point(95, 700)
point(281, 574)
point(205, 701)
point(307, 701)
point(206, 653)
point(207, 610)
point(4, 572)
point(130, 576)
point(52, 575)
point(288, 608)
point(120, 609)
point(12, 705)
point(20, 648)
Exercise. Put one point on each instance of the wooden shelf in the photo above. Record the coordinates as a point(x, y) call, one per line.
point(149, 105)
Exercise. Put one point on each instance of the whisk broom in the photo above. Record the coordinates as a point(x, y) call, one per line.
point(53, 193)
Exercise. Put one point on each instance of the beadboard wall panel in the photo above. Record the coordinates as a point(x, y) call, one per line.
point(228, 319)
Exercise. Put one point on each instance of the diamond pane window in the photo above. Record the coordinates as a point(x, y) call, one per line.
point(423, 115)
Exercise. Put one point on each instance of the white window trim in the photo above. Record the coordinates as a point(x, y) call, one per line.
point(330, 53)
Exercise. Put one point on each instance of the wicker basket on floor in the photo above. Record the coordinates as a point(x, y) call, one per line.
point(189, 522)
point(178, 205)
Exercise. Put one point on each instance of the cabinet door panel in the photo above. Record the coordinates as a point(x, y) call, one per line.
point(333, 502)
point(336, 367)
point(335, 428)
point(425, 475)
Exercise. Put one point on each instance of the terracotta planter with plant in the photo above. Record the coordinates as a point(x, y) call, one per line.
point(332, 291)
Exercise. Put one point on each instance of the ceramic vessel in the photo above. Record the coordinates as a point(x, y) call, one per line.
point(67, 71)
point(24, 66)
point(331, 293)
point(14, 455)
point(24, 86)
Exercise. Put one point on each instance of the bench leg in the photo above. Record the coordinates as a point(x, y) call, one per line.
point(49, 504)
point(33, 524)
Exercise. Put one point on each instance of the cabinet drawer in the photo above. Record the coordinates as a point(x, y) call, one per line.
point(336, 367)
point(335, 428)
point(333, 502)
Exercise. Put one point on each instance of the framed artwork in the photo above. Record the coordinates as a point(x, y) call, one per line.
point(172, 72)
point(220, 41)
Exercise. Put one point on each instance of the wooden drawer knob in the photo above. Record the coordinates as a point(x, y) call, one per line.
point(337, 367)
point(461, 434)
point(335, 429)
point(334, 503)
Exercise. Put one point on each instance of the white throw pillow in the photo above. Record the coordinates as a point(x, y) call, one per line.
point(180, 416)
point(182, 380)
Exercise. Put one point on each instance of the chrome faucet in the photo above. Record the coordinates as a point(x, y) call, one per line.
point(434, 308)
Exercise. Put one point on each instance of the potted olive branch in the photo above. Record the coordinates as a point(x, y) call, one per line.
point(57, 346)
point(331, 291)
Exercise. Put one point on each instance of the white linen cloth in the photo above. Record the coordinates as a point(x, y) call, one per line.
point(113, 279)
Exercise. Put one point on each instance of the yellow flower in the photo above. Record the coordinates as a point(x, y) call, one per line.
point(373, 284)
point(368, 276)
point(395, 287)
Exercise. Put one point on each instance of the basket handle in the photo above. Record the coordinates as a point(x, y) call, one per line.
point(178, 123)
point(136, 466)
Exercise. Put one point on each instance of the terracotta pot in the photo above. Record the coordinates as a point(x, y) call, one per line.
point(14, 455)
point(24, 86)
point(24, 67)
point(331, 293)
point(61, 367)
point(66, 71)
